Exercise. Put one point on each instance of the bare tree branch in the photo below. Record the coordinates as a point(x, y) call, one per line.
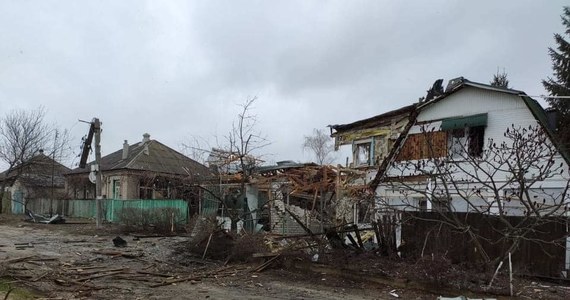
point(505, 179)
point(320, 145)
point(23, 134)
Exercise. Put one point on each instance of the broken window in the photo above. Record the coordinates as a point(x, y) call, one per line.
point(476, 140)
point(467, 140)
point(466, 135)
point(456, 143)
point(362, 154)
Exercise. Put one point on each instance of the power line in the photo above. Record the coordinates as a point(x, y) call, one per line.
point(550, 97)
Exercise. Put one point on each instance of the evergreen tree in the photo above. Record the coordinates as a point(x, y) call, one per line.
point(500, 80)
point(559, 84)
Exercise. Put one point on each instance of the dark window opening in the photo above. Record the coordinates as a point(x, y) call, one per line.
point(362, 155)
point(441, 205)
point(476, 140)
point(466, 141)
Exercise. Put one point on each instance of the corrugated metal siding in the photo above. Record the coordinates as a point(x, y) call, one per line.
point(210, 203)
point(115, 207)
point(112, 208)
point(71, 208)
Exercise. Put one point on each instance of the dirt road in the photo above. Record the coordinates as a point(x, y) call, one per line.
point(75, 261)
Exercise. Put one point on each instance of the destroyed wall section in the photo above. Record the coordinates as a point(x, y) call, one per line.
point(381, 140)
point(381, 133)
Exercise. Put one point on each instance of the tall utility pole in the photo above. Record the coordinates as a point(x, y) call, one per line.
point(94, 130)
point(99, 175)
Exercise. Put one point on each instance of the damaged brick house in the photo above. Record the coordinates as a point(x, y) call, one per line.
point(442, 161)
point(300, 197)
point(41, 177)
point(287, 198)
point(144, 170)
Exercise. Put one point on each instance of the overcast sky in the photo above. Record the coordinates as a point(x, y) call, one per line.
point(179, 69)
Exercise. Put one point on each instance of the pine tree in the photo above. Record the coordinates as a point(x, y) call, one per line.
point(500, 79)
point(559, 84)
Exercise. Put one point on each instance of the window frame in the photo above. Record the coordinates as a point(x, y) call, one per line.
point(368, 143)
point(466, 141)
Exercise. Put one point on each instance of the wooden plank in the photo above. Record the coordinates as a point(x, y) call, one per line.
point(358, 237)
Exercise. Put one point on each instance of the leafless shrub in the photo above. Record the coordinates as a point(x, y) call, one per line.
point(156, 220)
point(215, 245)
point(246, 245)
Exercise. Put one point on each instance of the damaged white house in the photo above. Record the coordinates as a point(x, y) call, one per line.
point(471, 148)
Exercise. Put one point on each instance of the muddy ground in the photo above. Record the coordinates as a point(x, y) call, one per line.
point(77, 261)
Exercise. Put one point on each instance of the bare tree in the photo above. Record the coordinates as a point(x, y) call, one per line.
point(507, 181)
point(244, 140)
point(234, 161)
point(23, 133)
point(197, 148)
point(320, 145)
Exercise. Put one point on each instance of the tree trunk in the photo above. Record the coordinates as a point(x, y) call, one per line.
point(234, 225)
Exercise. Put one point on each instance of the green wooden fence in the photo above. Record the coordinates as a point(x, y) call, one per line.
point(116, 209)
point(113, 209)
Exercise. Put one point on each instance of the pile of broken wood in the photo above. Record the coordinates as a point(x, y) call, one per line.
point(92, 275)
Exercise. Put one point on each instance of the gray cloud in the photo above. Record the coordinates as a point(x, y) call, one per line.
point(178, 69)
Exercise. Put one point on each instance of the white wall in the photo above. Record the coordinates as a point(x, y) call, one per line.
point(502, 110)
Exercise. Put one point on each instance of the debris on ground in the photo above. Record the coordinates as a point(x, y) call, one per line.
point(119, 242)
point(78, 262)
point(37, 218)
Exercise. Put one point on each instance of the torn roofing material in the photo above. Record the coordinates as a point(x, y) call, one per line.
point(379, 120)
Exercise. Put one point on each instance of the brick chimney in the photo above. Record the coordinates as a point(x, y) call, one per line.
point(146, 137)
point(125, 149)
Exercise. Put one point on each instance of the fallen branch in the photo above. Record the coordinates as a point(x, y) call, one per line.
point(8, 293)
point(495, 275)
point(118, 253)
point(207, 245)
point(75, 241)
point(102, 271)
point(136, 278)
point(196, 277)
point(266, 264)
point(82, 284)
point(15, 260)
point(155, 274)
point(44, 259)
point(100, 275)
point(191, 278)
point(79, 269)
point(40, 277)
